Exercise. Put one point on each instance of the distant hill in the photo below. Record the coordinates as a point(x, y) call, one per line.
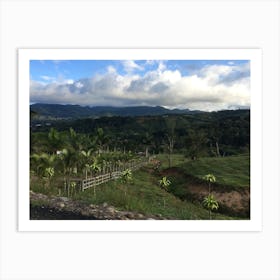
point(76, 111)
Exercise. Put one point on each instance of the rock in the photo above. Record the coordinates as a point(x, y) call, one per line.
point(102, 211)
point(64, 199)
point(84, 213)
point(140, 216)
point(110, 209)
point(130, 216)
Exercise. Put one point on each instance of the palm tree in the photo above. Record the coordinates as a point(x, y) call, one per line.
point(75, 141)
point(54, 140)
point(210, 203)
point(87, 155)
point(69, 158)
point(164, 183)
point(101, 139)
point(95, 167)
point(210, 178)
point(45, 166)
point(36, 164)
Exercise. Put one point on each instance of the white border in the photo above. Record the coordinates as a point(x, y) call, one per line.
point(254, 55)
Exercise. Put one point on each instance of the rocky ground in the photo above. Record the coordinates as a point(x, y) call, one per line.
point(43, 207)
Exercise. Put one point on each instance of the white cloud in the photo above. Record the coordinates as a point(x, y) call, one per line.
point(214, 87)
point(47, 78)
point(111, 69)
point(69, 81)
point(79, 85)
point(150, 62)
point(161, 66)
point(130, 66)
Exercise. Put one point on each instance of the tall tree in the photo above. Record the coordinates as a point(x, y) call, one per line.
point(147, 140)
point(170, 122)
point(54, 140)
point(196, 140)
point(86, 159)
point(101, 139)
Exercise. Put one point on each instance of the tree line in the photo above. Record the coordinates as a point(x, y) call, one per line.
point(206, 134)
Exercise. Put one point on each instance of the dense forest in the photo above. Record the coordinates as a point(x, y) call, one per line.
point(220, 133)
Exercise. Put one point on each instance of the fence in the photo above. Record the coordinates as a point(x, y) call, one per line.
point(103, 178)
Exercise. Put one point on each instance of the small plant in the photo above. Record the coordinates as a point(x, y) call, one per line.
point(210, 203)
point(210, 178)
point(95, 167)
point(164, 183)
point(48, 174)
point(73, 186)
point(126, 176)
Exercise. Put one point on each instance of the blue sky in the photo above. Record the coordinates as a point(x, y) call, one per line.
point(194, 84)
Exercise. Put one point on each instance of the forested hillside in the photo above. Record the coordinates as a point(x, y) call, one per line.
point(220, 133)
point(58, 111)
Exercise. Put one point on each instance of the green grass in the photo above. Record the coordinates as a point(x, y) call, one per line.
point(176, 160)
point(145, 196)
point(233, 170)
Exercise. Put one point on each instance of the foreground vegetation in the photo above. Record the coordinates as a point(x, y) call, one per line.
point(181, 150)
point(143, 194)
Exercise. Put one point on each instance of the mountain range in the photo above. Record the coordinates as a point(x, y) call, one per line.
point(77, 111)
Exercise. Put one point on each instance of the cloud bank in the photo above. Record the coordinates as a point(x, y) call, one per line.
point(209, 88)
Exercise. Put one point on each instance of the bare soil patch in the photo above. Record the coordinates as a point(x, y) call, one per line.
point(232, 200)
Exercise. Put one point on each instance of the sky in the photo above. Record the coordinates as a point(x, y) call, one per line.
point(208, 85)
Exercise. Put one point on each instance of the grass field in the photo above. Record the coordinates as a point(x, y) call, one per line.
point(232, 170)
point(176, 160)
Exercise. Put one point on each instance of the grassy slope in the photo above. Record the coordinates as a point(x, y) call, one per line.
point(233, 170)
point(145, 196)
